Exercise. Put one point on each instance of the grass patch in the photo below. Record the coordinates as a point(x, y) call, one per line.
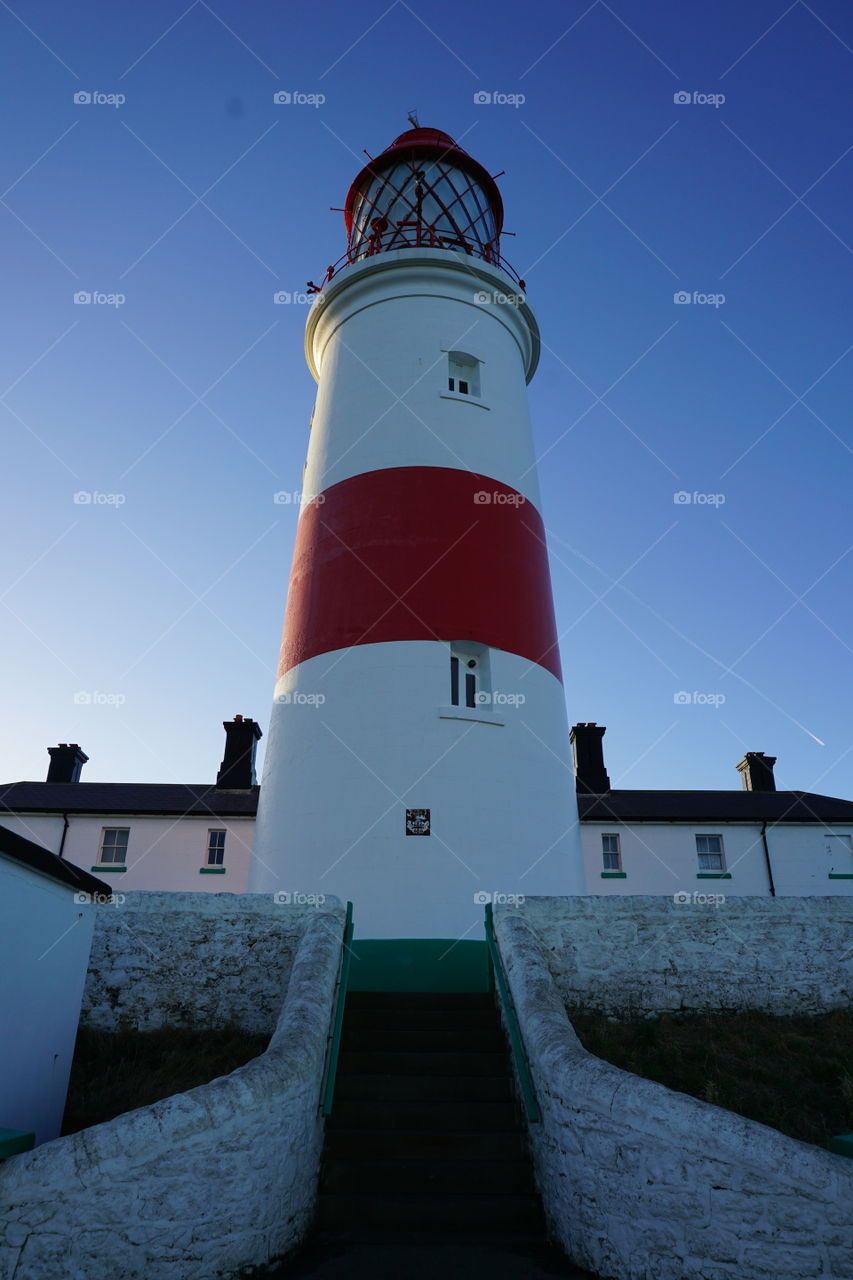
point(794, 1074)
point(114, 1072)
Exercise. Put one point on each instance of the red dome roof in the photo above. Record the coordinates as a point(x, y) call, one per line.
point(429, 144)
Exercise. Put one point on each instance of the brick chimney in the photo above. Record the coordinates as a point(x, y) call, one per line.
point(238, 768)
point(588, 754)
point(756, 771)
point(66, 762)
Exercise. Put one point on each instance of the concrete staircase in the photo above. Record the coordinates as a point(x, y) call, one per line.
point(425, 1132)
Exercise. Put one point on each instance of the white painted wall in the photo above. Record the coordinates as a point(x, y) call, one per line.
point(640, 1181)
point(204, 1185)
point(45, 938)
point(340, 777)
point(378, 345)
point(164, 853)
point(180, 960)
point(661, 858)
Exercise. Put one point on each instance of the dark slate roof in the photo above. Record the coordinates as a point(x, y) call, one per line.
point(37, 858)
point(714, 806)
point(128, 797)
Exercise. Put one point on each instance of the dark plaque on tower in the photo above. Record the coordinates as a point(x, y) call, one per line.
point(417, 822)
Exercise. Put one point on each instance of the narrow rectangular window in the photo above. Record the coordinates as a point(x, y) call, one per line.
point(710, 851)
point(451, 384)
point(114, 845)
point(463, 387)
point(215, 848)
point(470, 689)
point(611, 852)
point(454, 682)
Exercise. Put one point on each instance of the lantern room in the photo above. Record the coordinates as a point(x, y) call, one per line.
point(424, 192)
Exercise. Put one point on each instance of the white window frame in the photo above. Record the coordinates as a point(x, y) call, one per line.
point(707, 853)
point(113, 862)
point(463, 375)
point(839, 848)
point(220, 849)
point(611, 853)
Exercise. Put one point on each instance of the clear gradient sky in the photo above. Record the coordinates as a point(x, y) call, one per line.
point(198, 198)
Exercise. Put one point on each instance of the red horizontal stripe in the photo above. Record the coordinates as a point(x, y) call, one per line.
point(410, 553)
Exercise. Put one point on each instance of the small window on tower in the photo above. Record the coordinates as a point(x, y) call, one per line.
point(469, 676)
point(463, 374)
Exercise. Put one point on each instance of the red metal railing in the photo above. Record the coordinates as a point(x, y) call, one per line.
point(419, 238)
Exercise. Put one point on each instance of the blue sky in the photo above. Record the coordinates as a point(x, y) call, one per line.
point(198, 198)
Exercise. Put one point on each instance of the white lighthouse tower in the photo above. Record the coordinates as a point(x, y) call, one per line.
point(418, 755)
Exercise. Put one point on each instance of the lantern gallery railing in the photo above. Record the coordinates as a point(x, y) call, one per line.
point(406, 237)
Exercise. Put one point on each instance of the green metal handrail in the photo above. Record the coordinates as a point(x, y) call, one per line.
point(337, 1019)
point(496, 970)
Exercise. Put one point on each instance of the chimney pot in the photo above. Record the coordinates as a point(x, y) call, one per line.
point(756, 771)
point(66, 762)
point(238, 767)
point(588, 753)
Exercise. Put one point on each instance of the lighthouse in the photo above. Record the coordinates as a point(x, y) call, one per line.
point(418, 760)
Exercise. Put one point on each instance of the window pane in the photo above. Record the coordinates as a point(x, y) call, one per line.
point(611, 861)
point(463, 388)
point(454, 682)
point(470, 689)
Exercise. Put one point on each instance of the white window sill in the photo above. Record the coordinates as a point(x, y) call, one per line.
point(453, 395)
point(478, 714)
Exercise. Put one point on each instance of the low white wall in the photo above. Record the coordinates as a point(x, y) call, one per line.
point(639, 1181)
point(652, 954)
point(202, 1184)
point(192, 960)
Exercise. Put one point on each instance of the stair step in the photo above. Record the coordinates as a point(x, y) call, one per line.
point(496, 1213)
point(424, 1088)
point(407, 1018)
point(452, 1117)
point(374, 1062)
point(419, 1177)
point(413, 1039)
point(420, 1000)
point(422, 1144)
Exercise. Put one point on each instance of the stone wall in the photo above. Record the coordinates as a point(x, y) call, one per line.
point(192, 960)
point(200, 1185)
point(639, 1181)
point(653, 954)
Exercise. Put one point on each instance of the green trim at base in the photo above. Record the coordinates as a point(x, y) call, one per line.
point(106, 866)
point(418, 964)
point(713, 875)
point(211, 871)
point(840, 875)
point(14, 1141)
point(614, 875)
point(842, 1145)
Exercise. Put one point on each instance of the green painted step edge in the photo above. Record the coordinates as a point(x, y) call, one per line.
point(841, 875)
point(713, 875)
point(614, 875)
point(418, 964)
point(842, 1145)
point(14, 1141)
point(211, 871)
point(101, 868)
